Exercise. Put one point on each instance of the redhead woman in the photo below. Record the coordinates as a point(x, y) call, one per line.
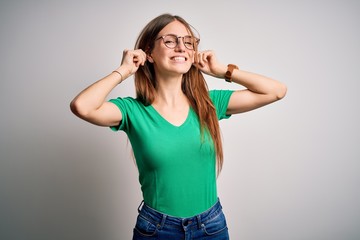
point(173, 126)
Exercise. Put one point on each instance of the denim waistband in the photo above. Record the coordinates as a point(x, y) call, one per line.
point(160, 219)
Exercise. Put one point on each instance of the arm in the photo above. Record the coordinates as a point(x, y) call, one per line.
point(260, 90)
point(91, 105)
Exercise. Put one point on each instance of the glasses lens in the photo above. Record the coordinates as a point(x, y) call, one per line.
point(170, 41)
point(189, 42)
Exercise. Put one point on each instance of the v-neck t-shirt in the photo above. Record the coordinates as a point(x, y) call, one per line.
point(177, 166)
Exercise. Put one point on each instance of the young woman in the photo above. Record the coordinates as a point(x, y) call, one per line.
point(173, 126)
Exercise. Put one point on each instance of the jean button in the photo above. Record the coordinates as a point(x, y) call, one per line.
point(187, 222)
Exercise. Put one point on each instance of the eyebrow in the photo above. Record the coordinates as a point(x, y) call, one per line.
point(173, 34)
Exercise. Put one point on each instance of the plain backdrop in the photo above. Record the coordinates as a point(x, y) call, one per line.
point(291, 170)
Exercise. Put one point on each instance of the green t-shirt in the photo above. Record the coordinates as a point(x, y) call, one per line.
point(177, 169)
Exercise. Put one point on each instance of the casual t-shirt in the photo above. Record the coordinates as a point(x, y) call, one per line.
point(177, 167)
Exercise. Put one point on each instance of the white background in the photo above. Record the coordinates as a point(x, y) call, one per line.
point(291, 169)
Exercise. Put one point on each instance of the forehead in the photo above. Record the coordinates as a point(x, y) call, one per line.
point(176, 28)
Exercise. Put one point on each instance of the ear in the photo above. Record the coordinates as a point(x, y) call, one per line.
point(149, 58)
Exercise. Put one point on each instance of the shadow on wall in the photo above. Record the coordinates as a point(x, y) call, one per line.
point(57, 185)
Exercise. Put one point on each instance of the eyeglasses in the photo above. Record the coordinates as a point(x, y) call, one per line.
point(171, 41)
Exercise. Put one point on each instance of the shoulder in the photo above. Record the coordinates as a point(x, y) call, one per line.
point(220, 99)
point(126, 101)
point(128, 105)
point(130, 109)
point(220, 95)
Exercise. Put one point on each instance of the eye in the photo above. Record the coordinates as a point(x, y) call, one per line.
point(189, 42)
point(169, 41)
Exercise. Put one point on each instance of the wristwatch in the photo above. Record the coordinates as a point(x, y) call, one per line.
point(229, 72)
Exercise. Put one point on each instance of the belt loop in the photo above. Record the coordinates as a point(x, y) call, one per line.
point(162, 223)
point(199, 221)
point(139, 208)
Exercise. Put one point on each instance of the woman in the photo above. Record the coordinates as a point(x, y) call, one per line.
point(173, 126)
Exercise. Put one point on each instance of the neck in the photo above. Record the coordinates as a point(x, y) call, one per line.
point(169, 93)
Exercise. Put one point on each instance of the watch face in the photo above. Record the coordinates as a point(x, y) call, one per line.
point(229, 71)
point(227, 74)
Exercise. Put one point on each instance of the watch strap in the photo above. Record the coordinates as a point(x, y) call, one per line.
point(229, 72)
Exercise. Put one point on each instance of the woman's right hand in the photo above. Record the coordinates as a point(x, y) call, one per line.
point(131, 61)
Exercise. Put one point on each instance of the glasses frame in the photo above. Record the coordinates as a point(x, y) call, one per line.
point(196, 42)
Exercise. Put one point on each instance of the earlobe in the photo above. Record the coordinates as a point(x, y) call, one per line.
point(149, 58)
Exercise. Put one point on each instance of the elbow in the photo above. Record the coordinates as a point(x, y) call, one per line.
point(76, 108)
point(281, 91)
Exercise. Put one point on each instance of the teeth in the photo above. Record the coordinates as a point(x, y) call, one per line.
point(179, 58)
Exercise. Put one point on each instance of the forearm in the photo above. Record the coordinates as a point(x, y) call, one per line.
point(92, 98)
point(258, 83)
point(255, 83)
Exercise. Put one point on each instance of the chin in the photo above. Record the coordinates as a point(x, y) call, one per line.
point(184, 69)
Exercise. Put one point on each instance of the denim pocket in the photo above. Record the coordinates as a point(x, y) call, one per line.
point(215, 225)
point(144, 227)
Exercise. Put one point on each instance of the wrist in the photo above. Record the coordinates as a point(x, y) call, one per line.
point(122, 73)
point(219, 71)
point(119, 75)
point(223, 70)
point(229, 72)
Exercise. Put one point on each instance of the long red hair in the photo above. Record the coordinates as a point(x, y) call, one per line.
point(193, 83)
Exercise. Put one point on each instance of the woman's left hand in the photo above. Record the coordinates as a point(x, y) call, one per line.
point(206, 61)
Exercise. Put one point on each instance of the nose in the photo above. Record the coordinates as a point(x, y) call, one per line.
point(180, 45)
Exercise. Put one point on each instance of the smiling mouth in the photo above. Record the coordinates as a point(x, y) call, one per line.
point(179, 59)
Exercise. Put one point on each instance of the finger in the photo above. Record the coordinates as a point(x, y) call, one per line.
point(140, 56)
point(137, 61)
point(144, 58)
point(207, 56)
point(201, 60)
point(136, 57)
point(126, 56)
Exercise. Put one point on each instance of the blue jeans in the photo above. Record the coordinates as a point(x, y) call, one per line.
point(210, 225)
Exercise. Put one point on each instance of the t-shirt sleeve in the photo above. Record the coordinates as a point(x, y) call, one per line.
point(125, 106)
point(220, 99)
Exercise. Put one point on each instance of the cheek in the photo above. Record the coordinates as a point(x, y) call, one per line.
point(192, 57)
